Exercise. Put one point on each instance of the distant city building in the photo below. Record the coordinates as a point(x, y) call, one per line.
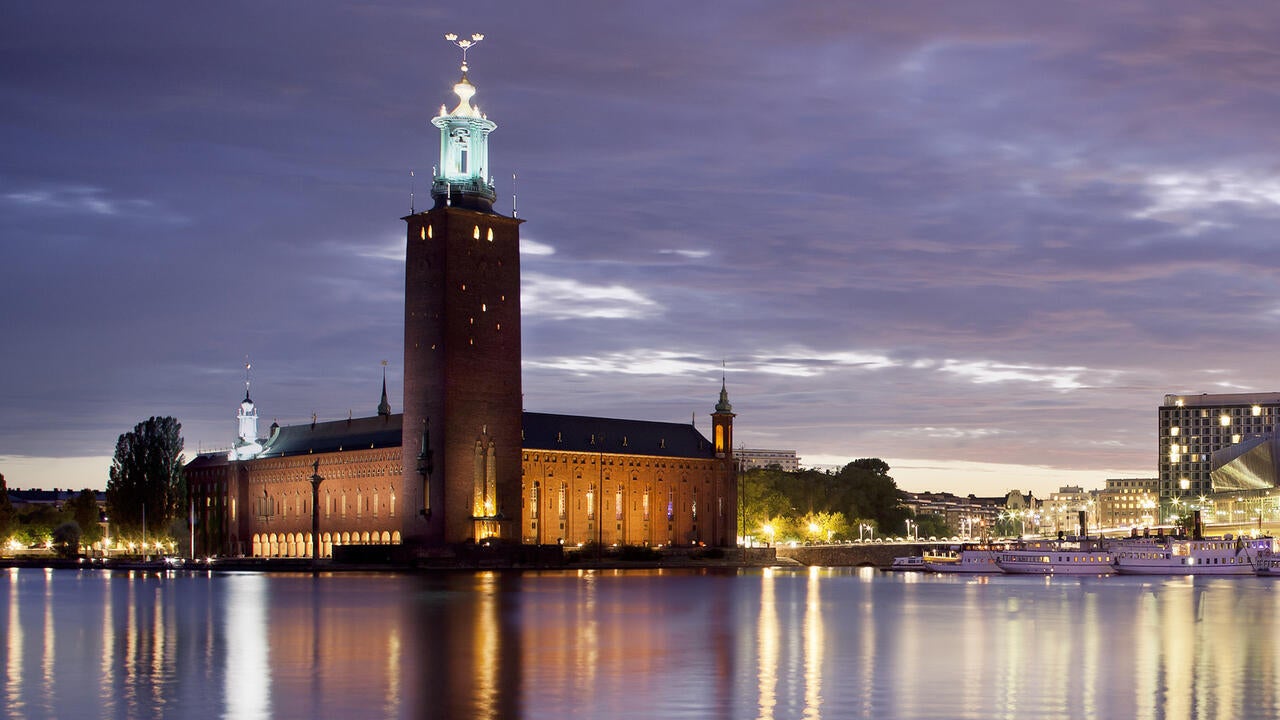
point(1128, 503)
point(1191, 428)
point(55, 498)
point(969, 516)
point(1061, 512)
point(785, 459)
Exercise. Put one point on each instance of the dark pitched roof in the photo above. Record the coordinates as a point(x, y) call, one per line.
point(542, 431)
point(356, 434)
point(208, 459)
point(576, 433)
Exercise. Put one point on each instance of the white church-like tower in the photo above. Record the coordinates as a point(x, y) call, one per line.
point(247, 445)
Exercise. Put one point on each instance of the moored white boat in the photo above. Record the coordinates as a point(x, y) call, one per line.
point(1183, 556)
point(1057, 560)
point(908, 562)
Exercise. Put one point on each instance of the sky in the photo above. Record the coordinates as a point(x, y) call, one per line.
point(980, 240)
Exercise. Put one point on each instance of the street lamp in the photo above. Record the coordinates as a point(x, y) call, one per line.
point(909, 524)
point(768, 531)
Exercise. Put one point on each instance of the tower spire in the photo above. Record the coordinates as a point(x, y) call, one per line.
point(722, 421)
point(384, 407)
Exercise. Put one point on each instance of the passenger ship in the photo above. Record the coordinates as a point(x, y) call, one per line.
point(1088, 557)
point(1183, 556)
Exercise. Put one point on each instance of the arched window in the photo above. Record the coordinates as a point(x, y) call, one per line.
point(617, 503)
point(564, 489)
point(591, 501)
point(533, 502)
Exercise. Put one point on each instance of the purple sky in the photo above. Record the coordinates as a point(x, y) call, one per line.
point(980, 240)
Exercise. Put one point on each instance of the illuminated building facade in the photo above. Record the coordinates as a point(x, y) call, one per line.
point(464, 463)
point(1193, 427)
point(1128, 503)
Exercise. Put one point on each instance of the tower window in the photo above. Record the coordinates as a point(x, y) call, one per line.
point(476, 233)
point(490, 234)
point(423, 233)
point(428, 231)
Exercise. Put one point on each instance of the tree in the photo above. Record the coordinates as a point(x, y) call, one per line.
point(66, 539)
point(146, 472)
point(932, 525)
point(6, 511)
point(84, 510)
point(762, 501)
point(870, 492)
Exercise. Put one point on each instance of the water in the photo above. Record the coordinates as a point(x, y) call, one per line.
point(807, 643)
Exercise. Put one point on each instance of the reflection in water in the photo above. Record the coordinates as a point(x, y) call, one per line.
point(774, 643)
point(813, 638)
point(13, 649)
point(247, 691)
point(767, 643)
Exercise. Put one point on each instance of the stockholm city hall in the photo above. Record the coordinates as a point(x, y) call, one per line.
point(464, 462)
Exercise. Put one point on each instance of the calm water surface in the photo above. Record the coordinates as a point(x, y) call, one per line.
point(806, 643)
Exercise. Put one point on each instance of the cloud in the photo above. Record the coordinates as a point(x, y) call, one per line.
point(983, 372)
point(555, 298)
point(691, 254)
point(87, 201)
point(635, 362)
point(801, 362)
point(533, 247)
point(1177, 195)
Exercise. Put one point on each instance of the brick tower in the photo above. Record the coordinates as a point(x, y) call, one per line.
point(462, 398)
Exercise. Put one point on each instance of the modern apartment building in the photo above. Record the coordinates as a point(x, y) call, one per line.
point(1193, 427)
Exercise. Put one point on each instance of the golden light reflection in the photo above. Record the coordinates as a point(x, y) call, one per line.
point(767, 645)
point(13, 647)
point(973, 663)
point(46, 660)
point(247, 694)
point(813, 648)
point(1093, 656)
point(485, 639)
point(107, 668)
point(867, 637)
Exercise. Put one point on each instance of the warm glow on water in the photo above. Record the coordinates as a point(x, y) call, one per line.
point(796, 643)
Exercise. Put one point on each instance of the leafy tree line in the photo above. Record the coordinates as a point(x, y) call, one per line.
point(859, 500)
point(146, 479)
point(76, 522)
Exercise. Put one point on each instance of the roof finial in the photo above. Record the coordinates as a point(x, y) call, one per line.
point(464, 44)
point(246, 378)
